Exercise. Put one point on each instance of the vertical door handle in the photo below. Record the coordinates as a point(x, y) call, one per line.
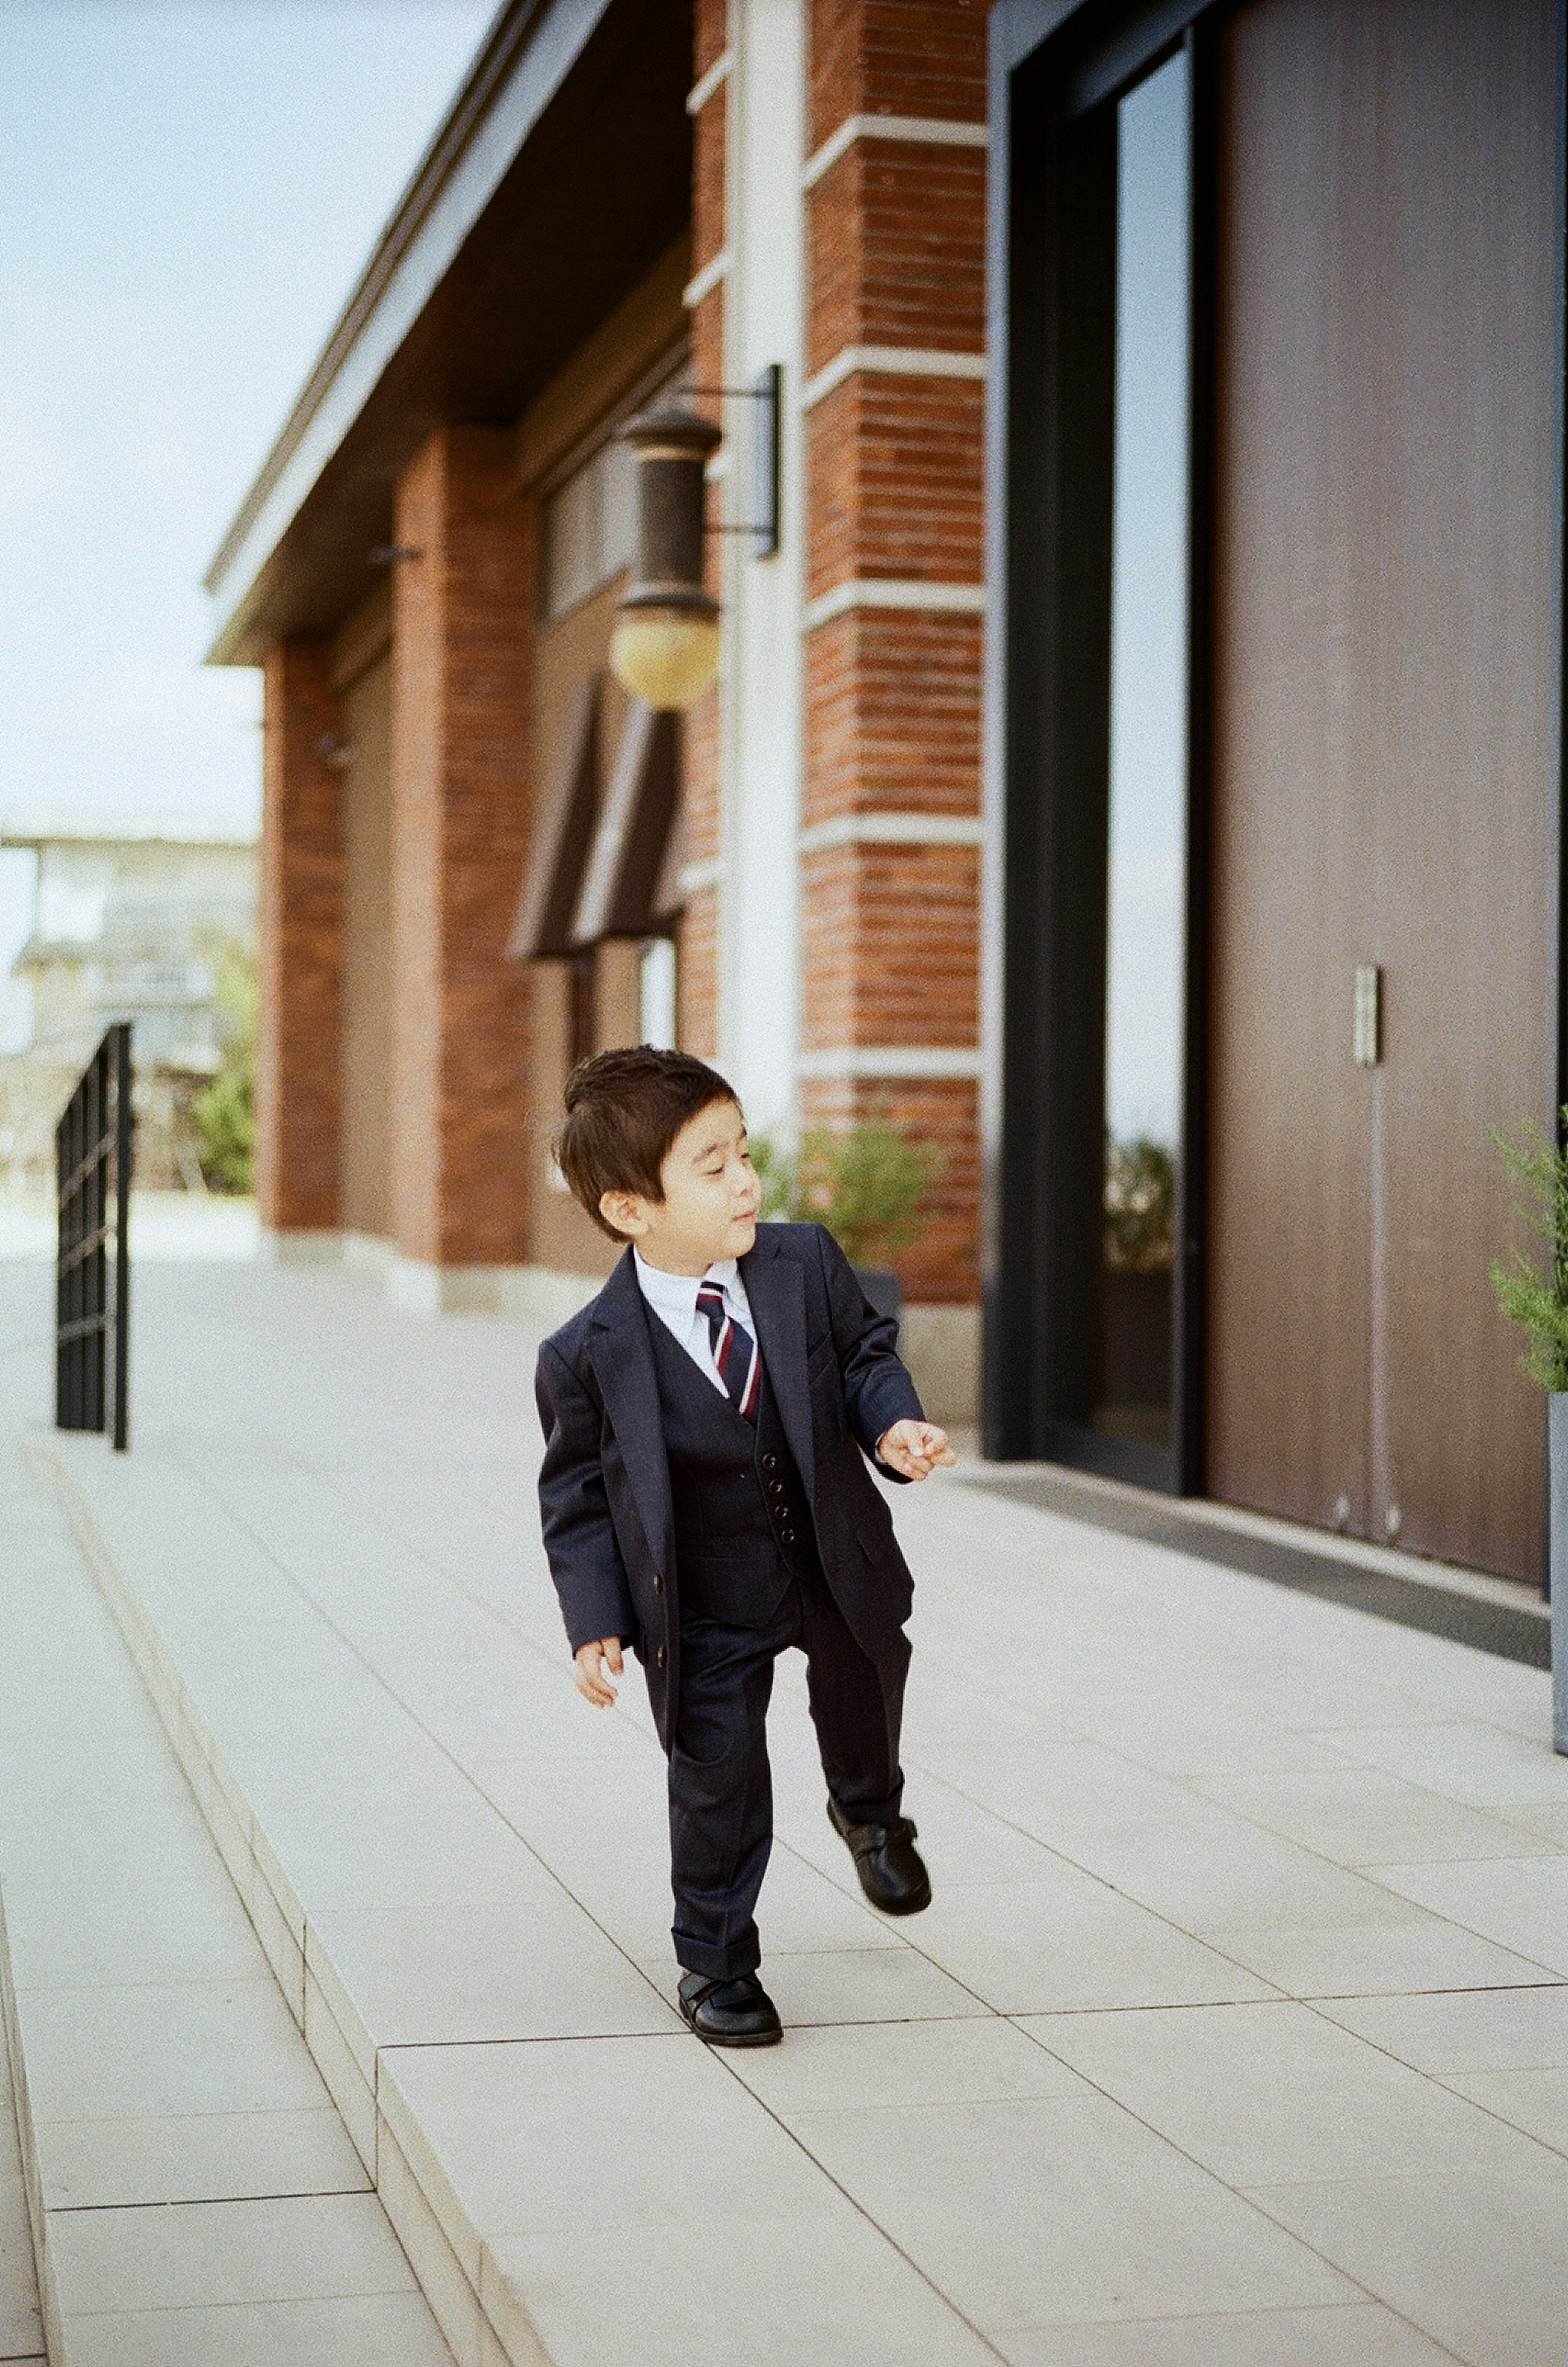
point(1366, 1016)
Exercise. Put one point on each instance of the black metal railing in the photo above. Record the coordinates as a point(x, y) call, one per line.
point(91, 1289)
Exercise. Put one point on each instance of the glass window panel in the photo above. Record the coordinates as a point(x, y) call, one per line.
point(572, 540)
point(1146, 864)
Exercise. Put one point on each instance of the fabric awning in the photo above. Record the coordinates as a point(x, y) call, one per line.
point(563, 836)
point(626, 884)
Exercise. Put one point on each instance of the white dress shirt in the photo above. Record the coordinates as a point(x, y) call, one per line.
point(673, 1299)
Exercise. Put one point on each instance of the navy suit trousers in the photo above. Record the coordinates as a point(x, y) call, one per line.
point(721, 1794)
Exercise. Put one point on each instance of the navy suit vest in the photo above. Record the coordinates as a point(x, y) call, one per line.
point(743, 1526)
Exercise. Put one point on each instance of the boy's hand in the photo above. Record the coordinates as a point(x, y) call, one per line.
point(915, 1448)
point(588, 1665)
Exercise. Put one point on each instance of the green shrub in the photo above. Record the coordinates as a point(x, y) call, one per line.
point(1140, 1207)
point(865, 1184)
point(222, 1112)
point(1536, 1302)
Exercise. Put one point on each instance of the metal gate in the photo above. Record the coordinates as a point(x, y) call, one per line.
point(92, 1302)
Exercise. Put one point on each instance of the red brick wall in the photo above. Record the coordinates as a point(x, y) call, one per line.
point(896, 256)
point(463, 613)
point(894, 486)
point(896, 57)
point(893, 713)
point(896, 231)
point(298, 1095)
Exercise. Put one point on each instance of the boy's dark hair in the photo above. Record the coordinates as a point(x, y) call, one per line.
point(623, 1111)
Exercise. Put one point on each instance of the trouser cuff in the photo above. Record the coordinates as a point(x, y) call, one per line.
point(717, 1963)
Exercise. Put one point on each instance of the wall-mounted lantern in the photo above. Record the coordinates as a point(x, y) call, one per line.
point(665, 645)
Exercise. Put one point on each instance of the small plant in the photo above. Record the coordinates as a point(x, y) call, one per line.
point(1539, 1303)
point(864, 1185)
point(1140, 1207)
point(222, 1112)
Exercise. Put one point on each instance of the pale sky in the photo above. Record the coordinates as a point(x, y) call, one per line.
point(189, 190)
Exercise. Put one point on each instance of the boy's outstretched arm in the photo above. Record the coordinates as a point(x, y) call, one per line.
point(880, 1399)
point(574, 1515)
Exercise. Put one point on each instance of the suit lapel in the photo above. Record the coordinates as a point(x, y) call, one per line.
point(775, 1288)
point(622, 1355)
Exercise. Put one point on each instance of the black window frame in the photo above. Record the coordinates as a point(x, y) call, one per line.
point(1056, 75)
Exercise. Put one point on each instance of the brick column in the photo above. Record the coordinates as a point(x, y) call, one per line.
point(896, 335)
point(299, 1031)
point(462, 625)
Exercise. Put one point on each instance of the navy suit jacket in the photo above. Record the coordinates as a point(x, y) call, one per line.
point(604, 1483)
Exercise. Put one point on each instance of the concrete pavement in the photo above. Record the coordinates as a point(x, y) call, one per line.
point(1237, 2036)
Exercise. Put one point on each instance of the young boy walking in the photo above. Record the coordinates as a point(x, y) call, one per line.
point(705, 1500)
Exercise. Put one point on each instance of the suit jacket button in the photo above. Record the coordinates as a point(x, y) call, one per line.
point(658, 1657)
point(657, 1584)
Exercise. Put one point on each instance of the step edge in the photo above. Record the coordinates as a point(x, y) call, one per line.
point(27, 2144)
point(235, 1829)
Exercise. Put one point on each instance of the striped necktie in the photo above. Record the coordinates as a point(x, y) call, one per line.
point(734, 1351)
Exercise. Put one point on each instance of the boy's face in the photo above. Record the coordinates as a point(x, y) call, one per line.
point(711, 1197)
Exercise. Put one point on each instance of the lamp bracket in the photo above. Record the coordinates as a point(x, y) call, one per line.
point(767, 389)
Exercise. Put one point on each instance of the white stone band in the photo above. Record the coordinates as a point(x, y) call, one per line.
point(872, 1060)
point(703, 89)
point(936, 131)
point(892, 829)
point(881, 591)
point(889, 361)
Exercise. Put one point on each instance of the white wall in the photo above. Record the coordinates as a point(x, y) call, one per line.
point(759, 903)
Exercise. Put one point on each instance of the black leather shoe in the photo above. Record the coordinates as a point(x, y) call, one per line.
point(730, 2013)
point(892, 1871)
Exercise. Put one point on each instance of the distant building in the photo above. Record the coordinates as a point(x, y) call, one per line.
point(122, 928)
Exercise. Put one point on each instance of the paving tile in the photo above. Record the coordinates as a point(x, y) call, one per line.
point(864, 2066)
point(90, 1933)
point(849, 1985)
point(1480, 1765)
point(1389, 1952)
point(196, 2157)
point(1479, 2261)
point(1465, 2031)
point(1519, 1903)
point(1066, 1941)
point(530, 1968)
point(1360, 1816)
point(1037, 2212)
point(199, 2255)
point(1195, 1737)
point(1354, 2336)
point(1549, 1819)
point(385, 2330)
point(520, 2134)
point(801, 2289)
point(1261, 2092)
point(1536, 2101)
point(21, 2328)
point(393, 1853)
point(142, 2053)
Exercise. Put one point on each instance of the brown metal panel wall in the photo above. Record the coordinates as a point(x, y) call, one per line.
point(1385, 678)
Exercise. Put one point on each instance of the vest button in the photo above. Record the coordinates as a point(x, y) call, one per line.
point(658, 1657)
point(789, 1536)
point(658, 1583)
point(770, 1462)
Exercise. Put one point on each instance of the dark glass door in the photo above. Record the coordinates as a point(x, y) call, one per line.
point(1146, 791)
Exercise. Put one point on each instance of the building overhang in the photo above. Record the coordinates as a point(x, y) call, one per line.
point(561, 175)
